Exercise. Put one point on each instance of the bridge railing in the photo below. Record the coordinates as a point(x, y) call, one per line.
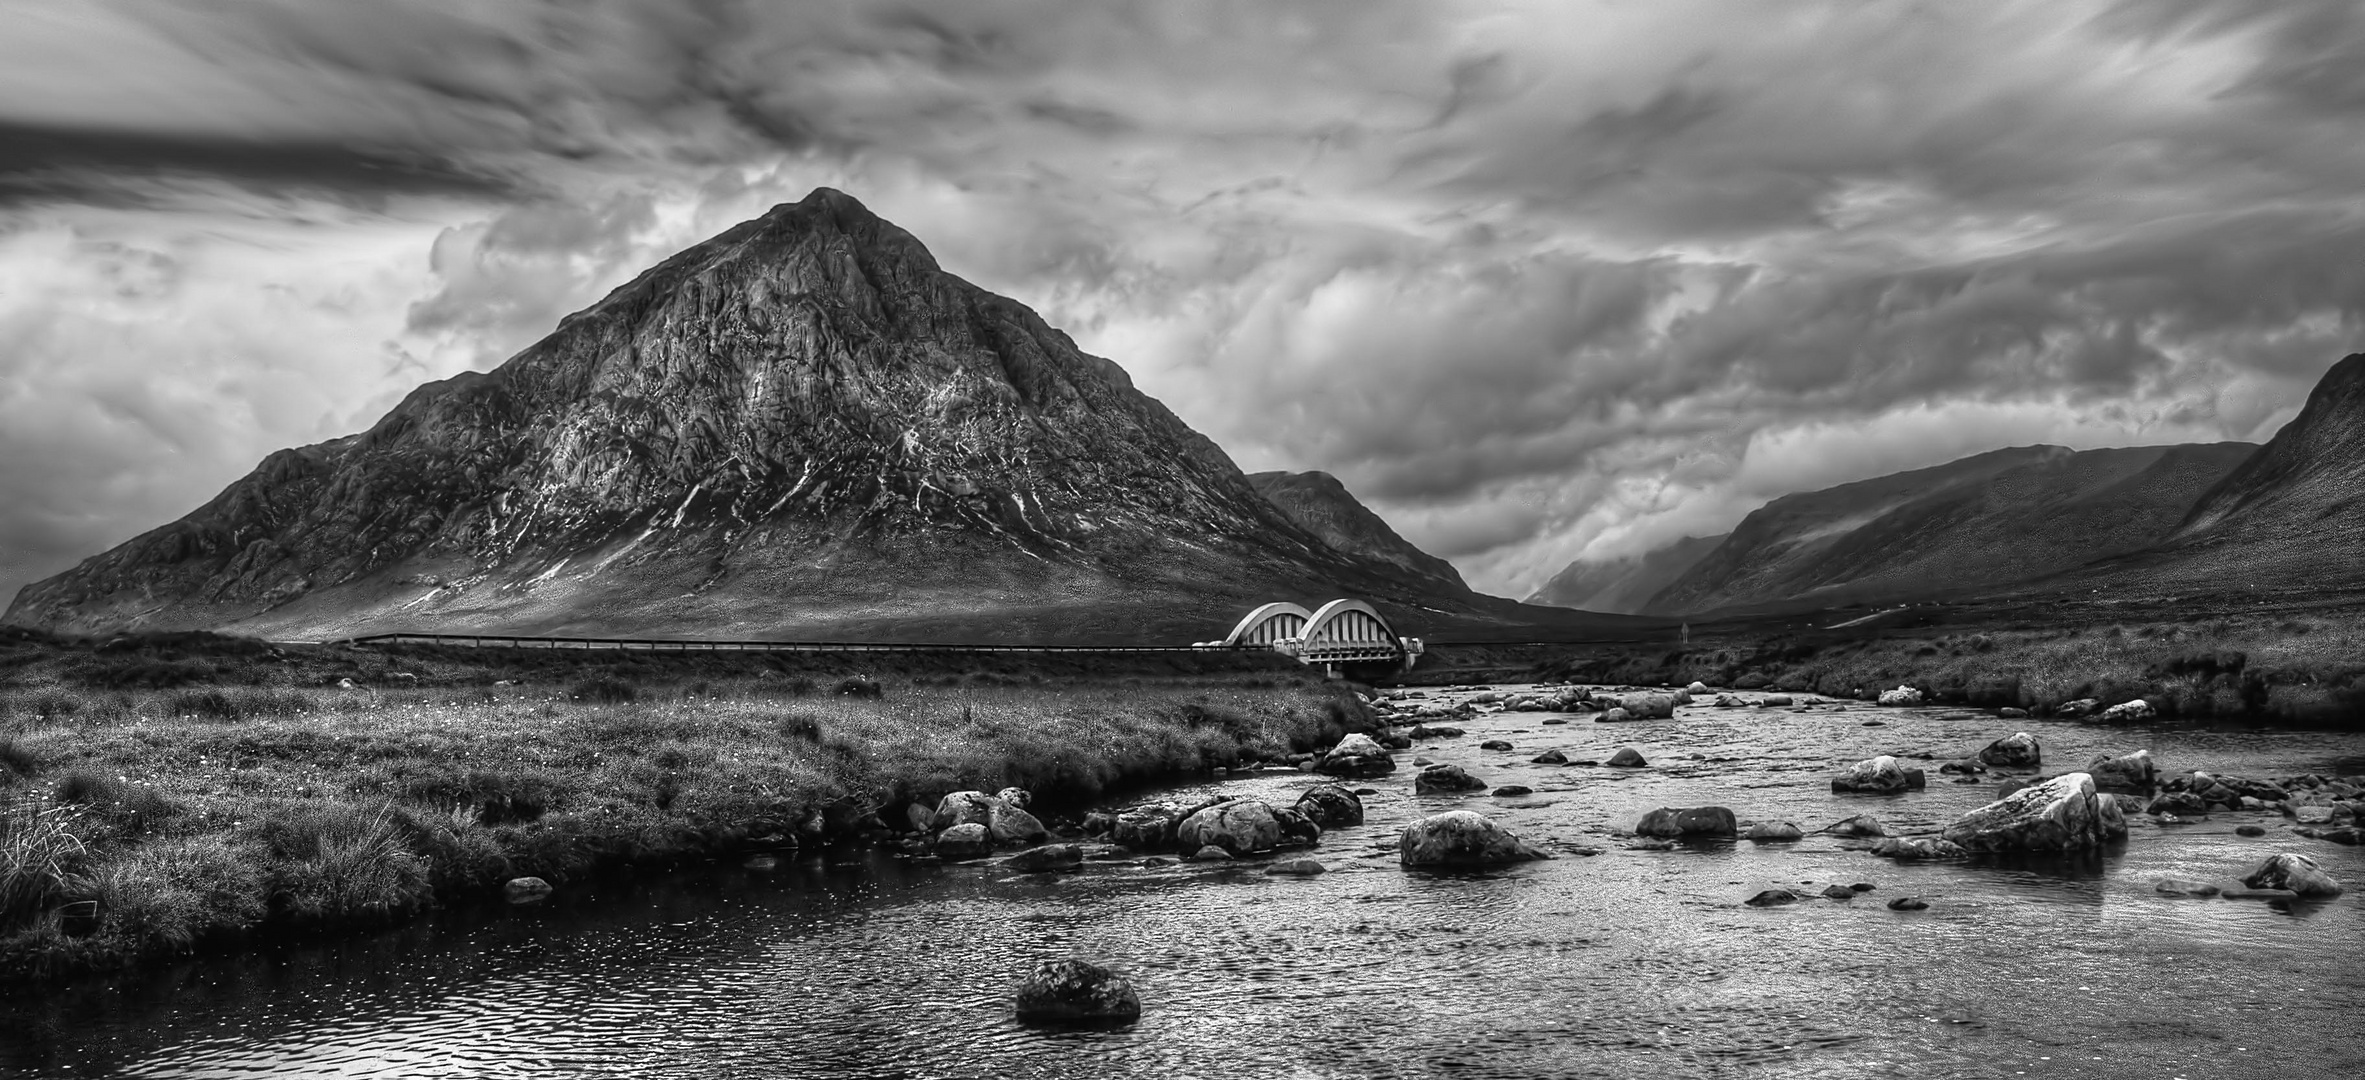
point(514, 641)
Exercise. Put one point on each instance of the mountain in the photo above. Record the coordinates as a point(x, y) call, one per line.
point(1625, 585)
point(1321, 505)
point(799, 428)
point(2290, 519)
point(1979, 523)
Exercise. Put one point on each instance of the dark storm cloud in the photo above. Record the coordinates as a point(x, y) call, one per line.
point(1537, 279)
point(44, 163)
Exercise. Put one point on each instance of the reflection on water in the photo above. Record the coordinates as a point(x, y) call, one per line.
point(1623, 963)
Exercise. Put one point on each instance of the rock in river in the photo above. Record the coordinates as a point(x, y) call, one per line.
point(964, 841)
point(1916, 849)
point(1073, 990)
point(1356, 757)
point(2131, 773)
point(1647, 706)
point(1445, 779)
point(1004, 818)
point(1550, 757)
point(526, 890)
point(1296, 868)
point(1014, 827)
point(1909, 903)
point(1331, 806)
point(1862, 825)
point(1461, 838)
point(2298, 873)
point(2128, 713)
point(1904, 696)
point(962, 808)
point(1775, 832)
point(1239, 826)
point(1494, 744)
point(1615, 715)
point(1883, 775)
point(2061, 814)
point(1772, 898)
point(1627, 757)
point(2018, 750)
point(1694, 821)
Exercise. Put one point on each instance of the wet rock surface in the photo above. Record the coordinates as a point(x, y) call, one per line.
point(1076, 991)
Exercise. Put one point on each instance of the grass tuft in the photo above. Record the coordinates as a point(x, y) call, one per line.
point(39, 855)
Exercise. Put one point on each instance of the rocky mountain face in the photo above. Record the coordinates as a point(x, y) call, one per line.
point(1625, 585)
point(1983, 522)
point(2290, 519)
point(1321, 505)
point(801, 427)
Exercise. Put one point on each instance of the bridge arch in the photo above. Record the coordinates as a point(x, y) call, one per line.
point(1270, 625)
point(1348, 624)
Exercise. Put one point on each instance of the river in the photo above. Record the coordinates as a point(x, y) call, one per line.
point(1624, 963)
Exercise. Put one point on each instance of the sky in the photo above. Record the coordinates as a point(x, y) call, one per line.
point(1538, 281)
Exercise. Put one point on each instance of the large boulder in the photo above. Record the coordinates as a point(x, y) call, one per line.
point(1692, 821)
point(1239, 826)
point(2018, 750)
point(2065, 813)
point(1883, 775)
point(1461, 838)
point(1356, 757)
point(1076, 990)
point(1903, 696)
point(2297, 873)
point(1445, 780)
point(1331, 806)
point(1627, 757)
point(2131, 773)
point(1648, 706)
point(962, 808)
point(1013, 827)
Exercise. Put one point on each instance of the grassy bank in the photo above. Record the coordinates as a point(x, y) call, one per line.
point(252, 792)
point(2280, 668)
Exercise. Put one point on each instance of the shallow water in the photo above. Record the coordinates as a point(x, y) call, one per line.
point(1628, 962)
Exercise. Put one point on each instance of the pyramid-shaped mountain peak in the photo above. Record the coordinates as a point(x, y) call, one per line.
point(801, 424)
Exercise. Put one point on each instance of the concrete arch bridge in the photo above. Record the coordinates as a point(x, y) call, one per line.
point(1334, 636)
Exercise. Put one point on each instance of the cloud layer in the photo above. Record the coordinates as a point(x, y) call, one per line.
point(1537, 280)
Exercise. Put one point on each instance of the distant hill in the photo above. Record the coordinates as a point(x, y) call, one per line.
point(1321, 505)
point(1625, 585)
point(1980, 523)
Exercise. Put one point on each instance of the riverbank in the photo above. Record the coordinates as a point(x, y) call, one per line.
point(261, 791)
point(2268, 668)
